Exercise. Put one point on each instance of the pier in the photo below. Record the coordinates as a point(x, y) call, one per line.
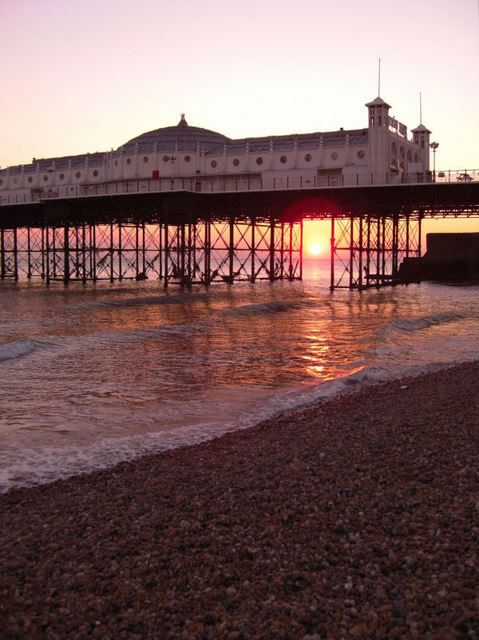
point(187, 237)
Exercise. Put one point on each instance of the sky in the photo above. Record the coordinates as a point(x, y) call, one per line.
point(87, 75)
point(81, 76)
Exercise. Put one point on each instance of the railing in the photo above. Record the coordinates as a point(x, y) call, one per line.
point(247, 182)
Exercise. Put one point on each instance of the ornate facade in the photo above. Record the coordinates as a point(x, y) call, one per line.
point(187, 157)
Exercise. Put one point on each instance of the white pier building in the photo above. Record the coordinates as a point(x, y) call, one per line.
point(185, 157)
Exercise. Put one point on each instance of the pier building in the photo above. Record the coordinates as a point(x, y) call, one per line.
point(185, 157)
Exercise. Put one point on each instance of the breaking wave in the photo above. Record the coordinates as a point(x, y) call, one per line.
point(16, 349)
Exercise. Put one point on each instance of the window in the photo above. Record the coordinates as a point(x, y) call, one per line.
point(308, 157)
point(45, 178)
point(334, 156)
point(145, 159)
point(61, 176)
point(394, 149)
point(283, 159)
point(128, 161)
point(78, 174)
point(30, 179)
point(409, 155)
point(165, 158)
point(187, 158)
point(236, 162)
point(95, 173)
point(361, 154)
point(259, 160)
point(214, 164)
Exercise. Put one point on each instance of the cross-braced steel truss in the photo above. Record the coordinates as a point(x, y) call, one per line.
point(196, 252)
point(367, 250)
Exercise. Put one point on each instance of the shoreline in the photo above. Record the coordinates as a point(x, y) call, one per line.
point(351, 517)
point(349, 388)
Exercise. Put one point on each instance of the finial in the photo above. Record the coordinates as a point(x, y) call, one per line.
point(182, 122)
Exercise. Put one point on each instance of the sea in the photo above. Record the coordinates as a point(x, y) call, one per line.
point(94, 375)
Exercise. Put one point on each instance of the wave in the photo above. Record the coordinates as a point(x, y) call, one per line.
point(275, 306)
point(135, 301)
point(16, 349)
point(34, 467)
point(423, 322)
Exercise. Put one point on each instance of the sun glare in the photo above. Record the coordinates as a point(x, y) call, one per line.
point(314, 249)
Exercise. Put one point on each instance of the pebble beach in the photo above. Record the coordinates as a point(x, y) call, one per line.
point(352, 518)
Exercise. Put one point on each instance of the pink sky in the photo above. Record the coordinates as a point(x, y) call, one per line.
point(88, 76)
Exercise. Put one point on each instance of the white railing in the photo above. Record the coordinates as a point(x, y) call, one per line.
point(244, 183)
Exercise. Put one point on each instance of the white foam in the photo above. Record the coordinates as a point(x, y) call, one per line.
point(34, 467)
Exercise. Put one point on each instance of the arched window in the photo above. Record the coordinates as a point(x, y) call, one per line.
point(394, 149)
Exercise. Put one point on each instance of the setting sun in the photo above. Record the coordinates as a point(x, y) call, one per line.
point(314, 249)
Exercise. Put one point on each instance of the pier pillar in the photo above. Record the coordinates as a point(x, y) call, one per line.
point(367, 249)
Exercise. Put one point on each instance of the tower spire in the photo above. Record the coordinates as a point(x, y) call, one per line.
point(379, 78)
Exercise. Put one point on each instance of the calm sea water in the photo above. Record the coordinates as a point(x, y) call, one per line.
point(90, 376)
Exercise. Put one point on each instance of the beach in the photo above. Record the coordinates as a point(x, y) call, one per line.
point(352, 518)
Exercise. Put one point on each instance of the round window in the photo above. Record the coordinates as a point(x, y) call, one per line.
point(145, 159)
point(214, 164)
point(45, 178)
point(78, 174)
point(259, 160)
point(236, 162)
point(165, 158)
point(334, 156)
point(187, 158)
point(283, 159)
point(62, 176)
point(95, 173)
point(128, 161)
point(308, 157)
point(361, 153)
point(30, 179)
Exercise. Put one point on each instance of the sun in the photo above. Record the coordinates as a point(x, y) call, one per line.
point(314, 249)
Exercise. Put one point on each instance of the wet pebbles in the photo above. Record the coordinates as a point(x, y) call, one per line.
point(358, 518)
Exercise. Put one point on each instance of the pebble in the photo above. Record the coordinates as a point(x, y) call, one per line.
point(255, 535)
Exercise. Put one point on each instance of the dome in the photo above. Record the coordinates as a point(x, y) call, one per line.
point(179, 138)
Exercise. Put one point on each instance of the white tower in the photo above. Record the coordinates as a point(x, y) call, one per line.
point(378, 138)
point(421, 137)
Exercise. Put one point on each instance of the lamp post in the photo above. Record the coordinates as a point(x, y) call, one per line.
point(434, 146)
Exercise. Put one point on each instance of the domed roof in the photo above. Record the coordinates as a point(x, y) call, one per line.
point(179, 138)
